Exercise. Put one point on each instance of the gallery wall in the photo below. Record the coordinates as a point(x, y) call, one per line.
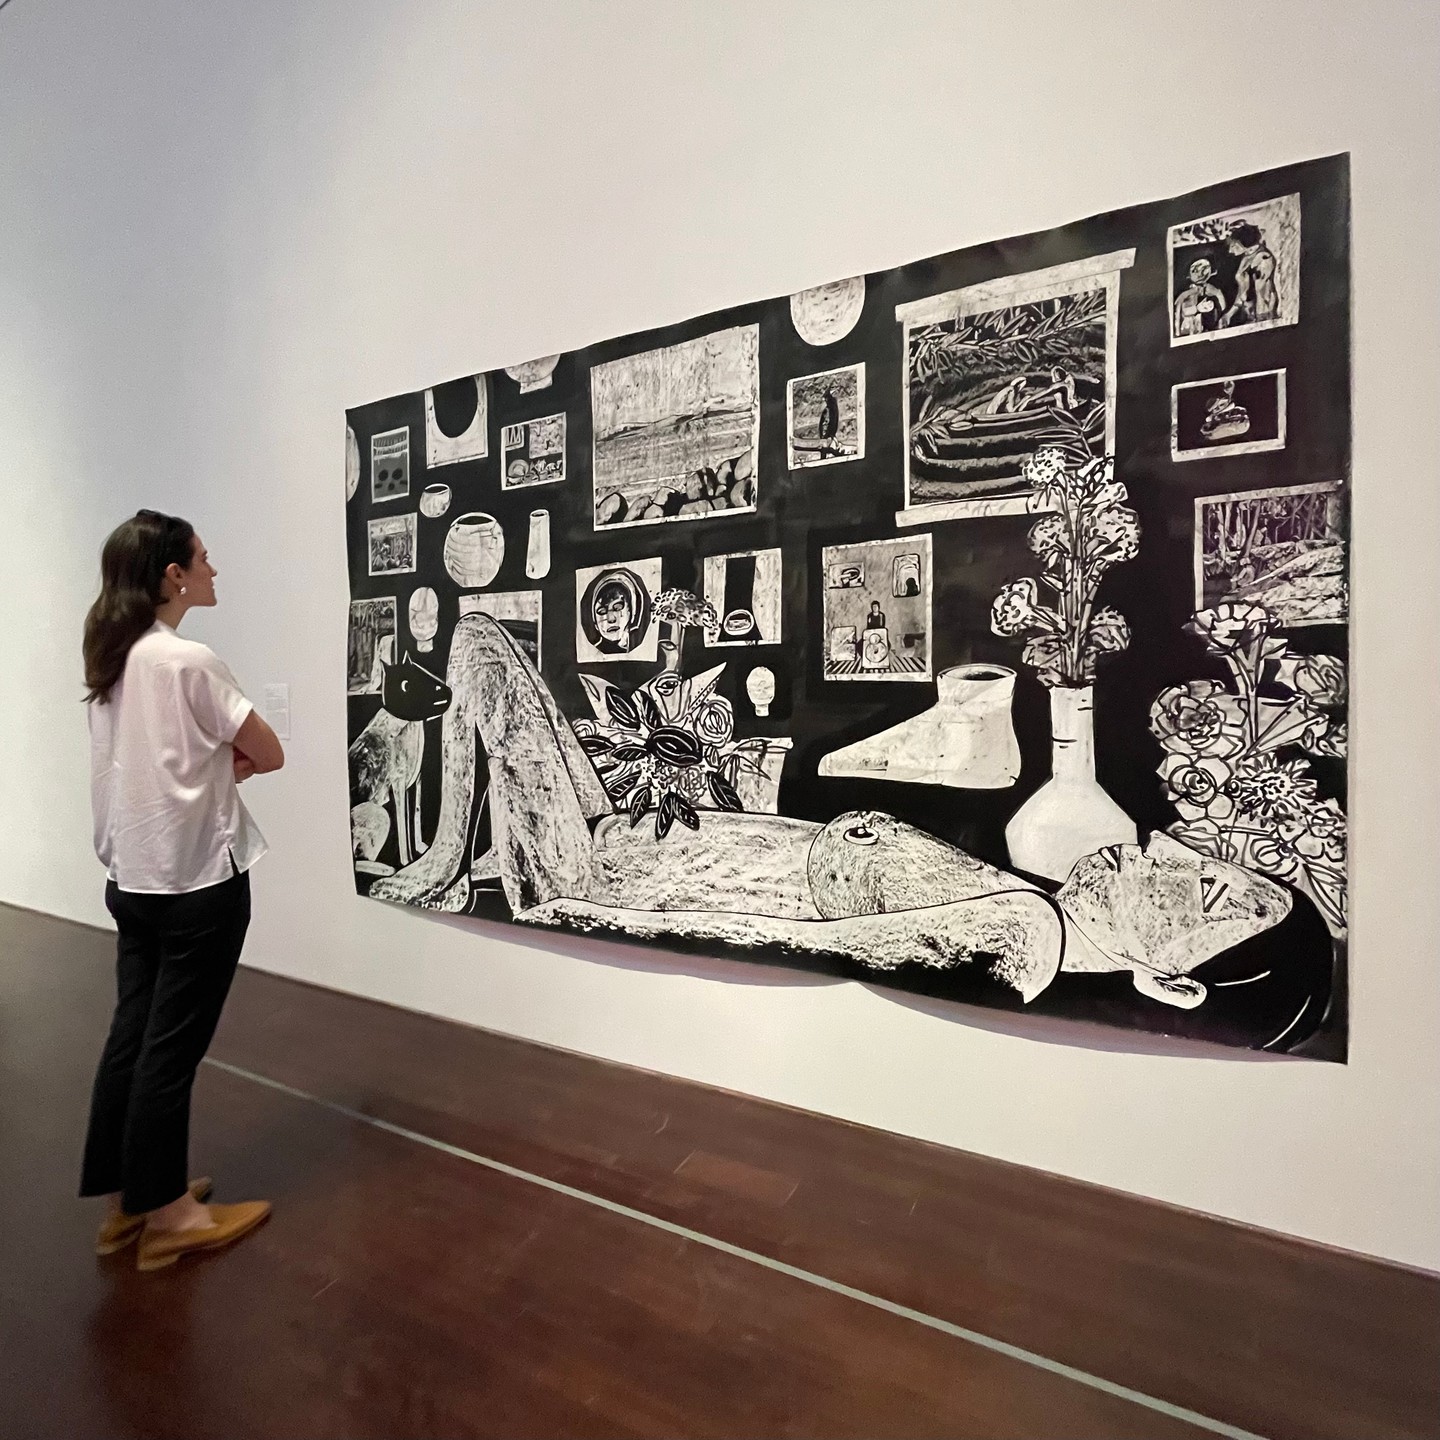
point(224, 227)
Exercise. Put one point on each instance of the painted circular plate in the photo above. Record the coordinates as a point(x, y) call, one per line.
point(828, 312)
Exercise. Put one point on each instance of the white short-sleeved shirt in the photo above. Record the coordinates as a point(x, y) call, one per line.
point(168, 814)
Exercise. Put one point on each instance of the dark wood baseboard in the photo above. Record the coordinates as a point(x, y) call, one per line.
point(1271, 1333)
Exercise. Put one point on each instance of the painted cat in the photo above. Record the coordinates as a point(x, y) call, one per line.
point(385, 757)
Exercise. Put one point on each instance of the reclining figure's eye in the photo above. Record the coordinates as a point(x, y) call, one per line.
point(861, 835)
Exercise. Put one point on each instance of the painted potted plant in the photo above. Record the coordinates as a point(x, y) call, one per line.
point(1087, 529)
point(668, 748)
point(1236, 765)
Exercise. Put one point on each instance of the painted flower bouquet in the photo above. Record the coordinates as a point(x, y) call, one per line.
point(668, 747)
point(1088, 529)
point(1231, 766)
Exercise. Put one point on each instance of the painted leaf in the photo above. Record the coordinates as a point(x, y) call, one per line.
point(595, 744)
point(674, 746)
point(639, 804)
point(1328, 888)
point(665, 814)
point(685, 813)
point(629, 753)
point(726, 795)
point(622, 709)
point(649, 711)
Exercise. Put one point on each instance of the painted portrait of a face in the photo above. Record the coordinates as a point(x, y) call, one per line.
point(616, 611)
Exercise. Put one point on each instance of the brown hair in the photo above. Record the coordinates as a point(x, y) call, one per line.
point(132, 566)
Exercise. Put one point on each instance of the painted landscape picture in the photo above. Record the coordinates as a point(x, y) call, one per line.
point(989, 389)
point(676, 430)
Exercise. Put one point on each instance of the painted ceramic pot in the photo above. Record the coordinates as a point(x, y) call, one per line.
point(966, 739)
point(434, 501)
point(474, 549)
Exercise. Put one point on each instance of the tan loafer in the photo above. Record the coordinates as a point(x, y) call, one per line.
point(159, 1248)
point(118, 1231)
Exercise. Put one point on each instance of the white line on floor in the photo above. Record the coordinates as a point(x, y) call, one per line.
point(877, 1302)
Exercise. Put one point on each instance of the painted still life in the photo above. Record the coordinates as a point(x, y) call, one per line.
point(986, 636)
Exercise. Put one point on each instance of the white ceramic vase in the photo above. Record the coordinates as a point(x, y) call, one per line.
point(537, 550)
point(1069, 815)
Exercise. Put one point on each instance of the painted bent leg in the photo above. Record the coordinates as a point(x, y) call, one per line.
point(543, 789)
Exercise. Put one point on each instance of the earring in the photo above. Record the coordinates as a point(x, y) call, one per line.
point(182, 589)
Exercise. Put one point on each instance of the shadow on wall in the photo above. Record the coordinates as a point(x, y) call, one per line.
point(1021, 1025)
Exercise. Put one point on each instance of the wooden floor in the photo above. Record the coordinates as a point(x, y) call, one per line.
point(403, 1289)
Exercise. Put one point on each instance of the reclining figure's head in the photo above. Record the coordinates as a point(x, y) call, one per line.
point(1166, 906)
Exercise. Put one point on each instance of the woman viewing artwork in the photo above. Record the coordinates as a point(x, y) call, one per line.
point(171, 735)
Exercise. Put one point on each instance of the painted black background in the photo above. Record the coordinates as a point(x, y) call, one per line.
point(805, 510)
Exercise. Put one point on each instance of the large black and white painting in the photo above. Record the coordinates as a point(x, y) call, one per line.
point(996, 371)
point(1235, 272)
point(1007, 663)
point(677, 430)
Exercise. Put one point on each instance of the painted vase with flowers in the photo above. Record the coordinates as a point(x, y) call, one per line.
point(1086, 529)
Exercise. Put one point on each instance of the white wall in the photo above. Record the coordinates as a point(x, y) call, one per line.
point(220, 224)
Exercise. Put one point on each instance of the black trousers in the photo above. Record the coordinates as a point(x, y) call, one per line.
point(175, 960)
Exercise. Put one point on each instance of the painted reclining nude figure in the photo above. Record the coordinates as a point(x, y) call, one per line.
point(866, 893)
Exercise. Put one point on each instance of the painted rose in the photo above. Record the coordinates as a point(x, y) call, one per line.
point(1200, 717)
point(1275, 856)
point(712, 720)
point(1196, 786)
point(1317, 832)
point(1232, 626)
point(1322, 678)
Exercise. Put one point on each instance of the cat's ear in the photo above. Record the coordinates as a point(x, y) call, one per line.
point(407, 660)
